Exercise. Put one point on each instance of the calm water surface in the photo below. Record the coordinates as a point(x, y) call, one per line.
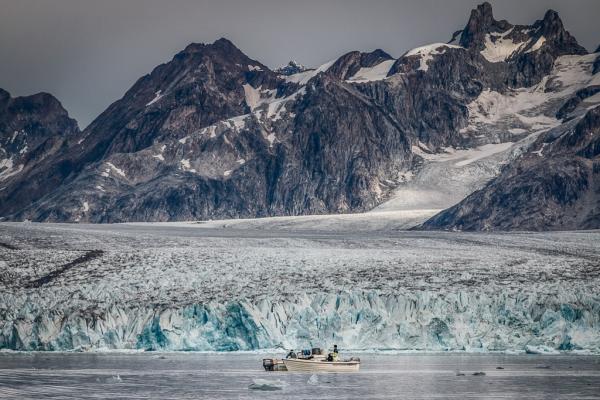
point(230, 376)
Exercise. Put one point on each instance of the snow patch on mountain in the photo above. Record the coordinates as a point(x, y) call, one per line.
point(538, 44)
point(302, 78)
point(257, 96)
point(158, 95)
point(534, 108)
point(375, 73)
point(113, 168)
point(498, 47)
point(428, 52)
point(8, 169)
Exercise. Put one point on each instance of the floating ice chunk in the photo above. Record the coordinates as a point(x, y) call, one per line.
point(254, 68)
point(540, 350)
point(313, 380)
point(114, 379)
point(267, 385)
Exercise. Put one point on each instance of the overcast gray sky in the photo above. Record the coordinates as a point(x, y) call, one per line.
point(88, 52)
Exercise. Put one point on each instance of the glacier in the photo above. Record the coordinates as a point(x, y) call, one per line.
point(354, 320)
point(186, 287)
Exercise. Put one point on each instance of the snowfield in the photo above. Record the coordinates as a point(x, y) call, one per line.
point(265, 283)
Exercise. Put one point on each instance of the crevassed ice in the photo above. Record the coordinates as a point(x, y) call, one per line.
point(420, 320)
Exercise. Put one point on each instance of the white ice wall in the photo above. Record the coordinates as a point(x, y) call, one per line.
point(419, 320)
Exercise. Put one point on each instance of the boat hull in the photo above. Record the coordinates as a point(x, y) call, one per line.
point(297, 365)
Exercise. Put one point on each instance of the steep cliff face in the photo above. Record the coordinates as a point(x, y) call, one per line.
point(33, 130)
point(215, 134)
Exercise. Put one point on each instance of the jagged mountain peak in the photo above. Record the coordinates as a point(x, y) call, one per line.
point(483, 32)
point(43, 105)
point(222, 52)
point(481, 22)
point(291, 68)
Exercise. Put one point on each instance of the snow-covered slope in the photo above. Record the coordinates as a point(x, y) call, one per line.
point(506, 125)
point(185, 287)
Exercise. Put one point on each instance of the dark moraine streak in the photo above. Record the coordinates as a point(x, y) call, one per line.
point(88, 256)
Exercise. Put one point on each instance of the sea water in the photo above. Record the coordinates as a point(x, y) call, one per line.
point(147, 375)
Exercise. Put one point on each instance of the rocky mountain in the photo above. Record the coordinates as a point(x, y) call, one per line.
point(215, 134)
point(34, 130)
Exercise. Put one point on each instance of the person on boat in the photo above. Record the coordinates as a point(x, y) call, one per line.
point(291, 354)
point(333, 356)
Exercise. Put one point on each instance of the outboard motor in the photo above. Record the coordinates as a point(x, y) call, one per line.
point(268, 364)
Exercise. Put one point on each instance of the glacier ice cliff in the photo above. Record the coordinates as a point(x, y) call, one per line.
point(354, 320)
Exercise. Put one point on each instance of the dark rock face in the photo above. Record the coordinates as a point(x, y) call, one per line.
point(481, 22)
point(574, 101)
point(555, 187)
point(33, 130)
point(596, 66)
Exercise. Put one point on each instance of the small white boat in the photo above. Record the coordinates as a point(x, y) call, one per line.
point(320, 365)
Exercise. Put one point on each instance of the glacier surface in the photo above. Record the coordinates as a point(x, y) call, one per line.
point(190, 286)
